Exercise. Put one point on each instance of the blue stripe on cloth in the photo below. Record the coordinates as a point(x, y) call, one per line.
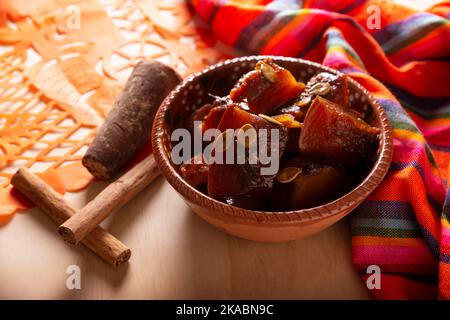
point(248, 32)
point(395, 212)
point(425, 103)
point(445, 258)
point(446, 210)
point(254, 37)
point(439, 147)
point(399, 35)
point(385, 223)
point(397, 166)
point(396, 113)
point(432, 243)
point(352, 6)
point(437, 207)
point(316, 40)
point(385, 209)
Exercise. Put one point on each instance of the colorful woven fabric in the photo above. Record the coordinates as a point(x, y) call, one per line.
point(404, 226)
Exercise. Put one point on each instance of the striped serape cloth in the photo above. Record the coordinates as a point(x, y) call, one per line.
point(402, 56)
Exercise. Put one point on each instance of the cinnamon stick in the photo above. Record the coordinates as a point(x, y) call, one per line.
point(111, 198)
point(102, 243)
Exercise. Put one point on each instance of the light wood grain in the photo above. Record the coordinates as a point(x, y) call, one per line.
point(175, 255)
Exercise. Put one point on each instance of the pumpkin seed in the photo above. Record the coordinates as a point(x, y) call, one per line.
point(304, 101)
point(284, 117)
point(320, 89)
point(224, 140)
point(287, 120)
point(268, 72)
point(288, 174)
point(270, 119)
point(247, 126)
point(247, 135)
point(294, 124)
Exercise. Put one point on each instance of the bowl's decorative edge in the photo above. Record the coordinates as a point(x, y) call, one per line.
point(223, 211)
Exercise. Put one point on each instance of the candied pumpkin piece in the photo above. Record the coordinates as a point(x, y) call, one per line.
point(197, 115)
point(309, 189)
point(316, 187)
point(304, 183)
point(195, 172)
point(202, 112)
point(245, 178)
point(331, 132)
point(232, 180)
point(327, 85)
point(212, 119)
point(330, 86)
point(235, 117)
point(267, 87)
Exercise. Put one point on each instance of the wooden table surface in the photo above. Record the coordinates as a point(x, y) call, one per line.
point(175, 255)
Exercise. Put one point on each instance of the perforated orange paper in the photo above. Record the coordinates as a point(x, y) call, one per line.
point(62, 64)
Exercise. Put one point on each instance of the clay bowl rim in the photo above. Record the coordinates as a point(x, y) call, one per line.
point(347, 202)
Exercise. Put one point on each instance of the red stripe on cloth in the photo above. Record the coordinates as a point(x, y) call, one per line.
point(395, 287)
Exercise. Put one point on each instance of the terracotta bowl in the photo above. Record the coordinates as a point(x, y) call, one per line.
point(249, 224)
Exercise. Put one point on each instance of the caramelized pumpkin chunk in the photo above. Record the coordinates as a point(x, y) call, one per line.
point(195, 172)
point(305, 183)
point(202, 112)
point(331, 132)
point(245, 178)
point(197, 115)
point(266, 88)
point(212, 119)
point(309, 189)
point(235, 117)
point(316, 187)
point(330, 86)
